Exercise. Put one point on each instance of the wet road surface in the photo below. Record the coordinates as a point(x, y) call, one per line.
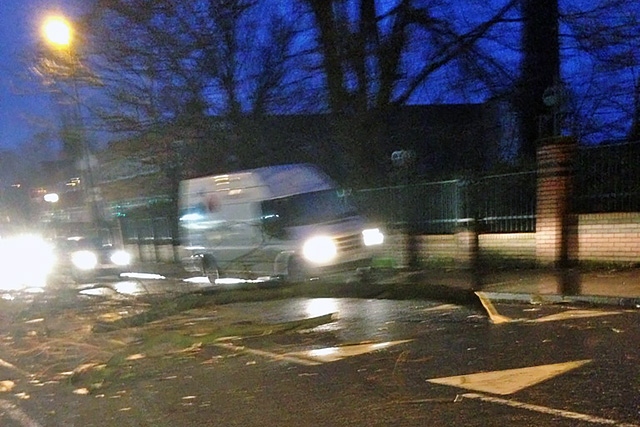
point(378, 363)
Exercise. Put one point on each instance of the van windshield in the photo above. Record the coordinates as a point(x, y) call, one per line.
point(307, 208)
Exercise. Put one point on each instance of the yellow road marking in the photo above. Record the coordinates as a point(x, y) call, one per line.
point(508, 381)
point(497, 318)
point(494, 316)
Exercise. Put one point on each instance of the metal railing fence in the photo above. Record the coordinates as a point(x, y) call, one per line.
point(507, 202)
point(499, 203)
point(147, 230)
point(607, 178)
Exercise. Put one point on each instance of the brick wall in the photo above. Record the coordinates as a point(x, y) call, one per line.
point(612, 237)
point(513, 246)
point(456, 249)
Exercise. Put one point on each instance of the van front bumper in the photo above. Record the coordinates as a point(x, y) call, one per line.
point(344, 267)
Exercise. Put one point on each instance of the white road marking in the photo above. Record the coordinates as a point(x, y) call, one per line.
point(442, 307)
point(574, 314)
point(549, 411)
point(508, 381)
point(15, 413)
point(316, 356)
point(332, 354)
point(8, 365)
point(267, 354)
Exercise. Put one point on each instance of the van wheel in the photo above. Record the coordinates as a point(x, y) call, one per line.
point(210, 269)
point(296, 271)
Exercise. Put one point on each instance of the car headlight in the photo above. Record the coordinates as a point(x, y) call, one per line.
point(120, 258)
point(372, 236)
point(84, 260)
point(319, 249)
point(25, 260)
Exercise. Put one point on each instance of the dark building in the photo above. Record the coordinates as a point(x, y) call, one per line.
point(448, 141)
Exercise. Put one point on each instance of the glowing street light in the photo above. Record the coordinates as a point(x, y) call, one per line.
point(57, 31)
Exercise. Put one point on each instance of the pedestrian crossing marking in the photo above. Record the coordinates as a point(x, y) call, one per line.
point(509, 381)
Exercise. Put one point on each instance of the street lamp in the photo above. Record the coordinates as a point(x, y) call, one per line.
point(58, 33)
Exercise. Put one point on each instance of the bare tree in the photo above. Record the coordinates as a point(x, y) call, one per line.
point(604, 39)
point(539, 71)
point(183, 62)
point(378, 56)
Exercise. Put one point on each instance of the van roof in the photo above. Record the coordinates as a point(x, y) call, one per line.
point(286, 180)
point(278, 181)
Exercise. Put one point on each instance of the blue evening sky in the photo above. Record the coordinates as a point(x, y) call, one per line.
point(25, 109)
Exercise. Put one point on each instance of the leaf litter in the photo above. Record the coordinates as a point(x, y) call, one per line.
point(86, 345)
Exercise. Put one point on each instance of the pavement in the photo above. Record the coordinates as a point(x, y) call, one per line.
point(619, 287)
point(616, 287)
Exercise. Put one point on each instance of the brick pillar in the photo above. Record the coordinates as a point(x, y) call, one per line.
point(553, 225)
point(466, 239)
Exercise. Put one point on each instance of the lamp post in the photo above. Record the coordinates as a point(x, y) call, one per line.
point(58, 33)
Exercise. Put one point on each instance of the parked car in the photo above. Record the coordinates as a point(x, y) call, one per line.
point(89, 256)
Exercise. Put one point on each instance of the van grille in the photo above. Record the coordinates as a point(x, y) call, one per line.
point(350, 243)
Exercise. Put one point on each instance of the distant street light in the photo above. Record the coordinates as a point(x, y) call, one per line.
point(51, 197)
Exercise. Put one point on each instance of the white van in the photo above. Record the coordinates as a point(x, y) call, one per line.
point(289, 222)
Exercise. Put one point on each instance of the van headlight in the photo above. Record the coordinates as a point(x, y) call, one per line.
point(121, 258)
point(319, 250)
point(372, 236)
point(84, 260)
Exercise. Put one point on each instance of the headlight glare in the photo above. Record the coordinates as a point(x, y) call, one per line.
point(84, 260)
point(372, 236)
point(120, 258)
point(319, 250)
point(25, 260)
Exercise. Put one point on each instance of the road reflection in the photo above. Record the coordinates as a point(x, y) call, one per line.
point(320, 306)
